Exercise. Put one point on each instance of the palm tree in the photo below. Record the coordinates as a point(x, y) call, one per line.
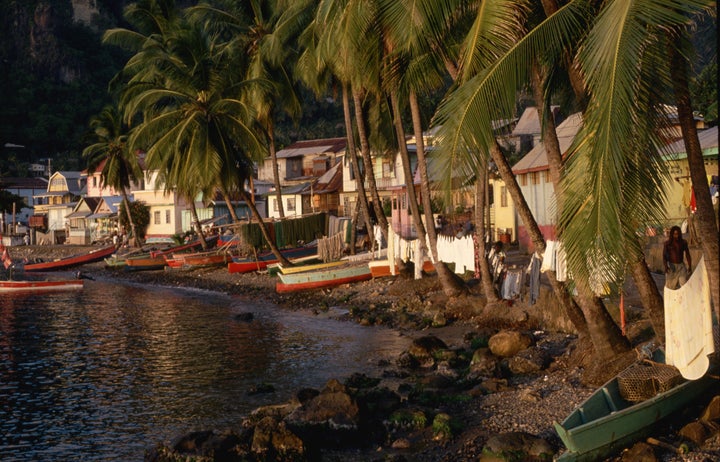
point(120, 165)
point(198, 132)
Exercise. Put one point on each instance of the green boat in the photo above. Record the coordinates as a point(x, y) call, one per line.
point(607, 422)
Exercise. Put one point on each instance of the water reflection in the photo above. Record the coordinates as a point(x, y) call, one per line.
point(105, 373)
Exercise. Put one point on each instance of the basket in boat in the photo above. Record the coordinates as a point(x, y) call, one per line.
point(645, 380)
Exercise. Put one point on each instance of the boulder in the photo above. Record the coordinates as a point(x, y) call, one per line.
point(508, 343)
point(272, 440)
point(483, 362)
point(517, 446)
point(332, 418)
point(712, 411)
point(529, 361)
point(639, 452)
point(425, 349)
point(695, 432)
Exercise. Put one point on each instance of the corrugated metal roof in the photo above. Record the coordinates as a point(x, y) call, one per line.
point(708, 142)
point(536, 159)
point(303, 148)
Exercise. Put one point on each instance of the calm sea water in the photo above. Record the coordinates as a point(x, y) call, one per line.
point(106, 373)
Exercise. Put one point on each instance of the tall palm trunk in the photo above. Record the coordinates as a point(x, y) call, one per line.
point(229, 204)
point(485, 275)
point(133, 228)
point(445, 276)
point(359, 177)
point(605, 334)
point(273, 247)
point(198, 228)
point(705, 222)
point(450, 282)
point(575, 315)
point(367, 162)
point(275, 170)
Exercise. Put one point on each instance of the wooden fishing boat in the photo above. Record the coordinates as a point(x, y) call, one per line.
point(381, 268)
point(607, 422)
point(211, 241)
point(328, 277)
point(309, 267)
point(40, 286)
point(261, 262)
point(144, 263)
point(205, 259)
point(75, 260)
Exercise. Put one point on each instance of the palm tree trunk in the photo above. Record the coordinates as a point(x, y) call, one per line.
point(133, 228)
point(652, 301)
point(367, 162)
point(359, 177)
point(574, 313)
point(445, 276)
point(275, 170)
point(451, 283)
point(485, 276)
point(273, 247)
point(705, 222)
point(198, 228)
point(230, 206)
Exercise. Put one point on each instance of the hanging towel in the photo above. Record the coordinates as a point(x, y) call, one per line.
point(548, 263)
point(688, 325)
point(560, 262)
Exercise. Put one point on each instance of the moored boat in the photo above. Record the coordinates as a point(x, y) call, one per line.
point(607, 421)
point(328, 277)
point(381, 268)
point(144, 263)
point(27, 286)
point(261, 262)
point(75, 260)
point(309, 267)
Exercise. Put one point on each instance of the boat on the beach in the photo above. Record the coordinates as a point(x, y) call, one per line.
point(328, 277)
point(201, 260)
point(309, 267)
point(381, 268)
point(144, 262)
point(74, 260)
point(261, 261)
point(28, 286)
point(607, 421)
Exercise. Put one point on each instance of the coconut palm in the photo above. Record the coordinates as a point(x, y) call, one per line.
point(120, 165)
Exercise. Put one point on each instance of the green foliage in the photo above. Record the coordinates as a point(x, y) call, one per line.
point(140, 215)
point(409, 418)
point(7, 199)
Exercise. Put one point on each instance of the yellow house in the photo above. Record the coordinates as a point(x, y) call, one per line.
point(679, 188)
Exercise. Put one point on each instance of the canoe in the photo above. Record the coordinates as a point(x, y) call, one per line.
point(144, 263)
point(211, 241)
point(248, 265)
point(329, 277)
point(40, 286)
point(607, 422)
point(381, 268)
point(75, 260)
point(309, 267)
point(203, 260)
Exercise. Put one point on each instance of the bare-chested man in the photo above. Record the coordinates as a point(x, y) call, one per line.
point(674, 251)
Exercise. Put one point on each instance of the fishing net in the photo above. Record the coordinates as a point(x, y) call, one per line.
point(645, 380)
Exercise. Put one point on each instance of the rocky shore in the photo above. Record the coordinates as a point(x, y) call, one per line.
point(480, 382)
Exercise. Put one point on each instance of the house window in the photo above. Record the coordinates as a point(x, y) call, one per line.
point(548, 177)
point(95, 182)
point(275, 205)
point(535, 177)
point(167, 216)
point(291, 204)
point(503, 196)
point(387, 169)
point(156, 217)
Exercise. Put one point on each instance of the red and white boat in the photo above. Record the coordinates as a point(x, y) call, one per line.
point(75, 260)
point(41, 286)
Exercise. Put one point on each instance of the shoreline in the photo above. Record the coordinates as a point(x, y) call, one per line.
point(492, 402)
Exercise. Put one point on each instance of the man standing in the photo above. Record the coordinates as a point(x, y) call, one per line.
point(674, 250)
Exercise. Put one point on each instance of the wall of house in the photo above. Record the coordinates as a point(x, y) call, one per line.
point(503, 212)
point(537, 188)
point(678, 189)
